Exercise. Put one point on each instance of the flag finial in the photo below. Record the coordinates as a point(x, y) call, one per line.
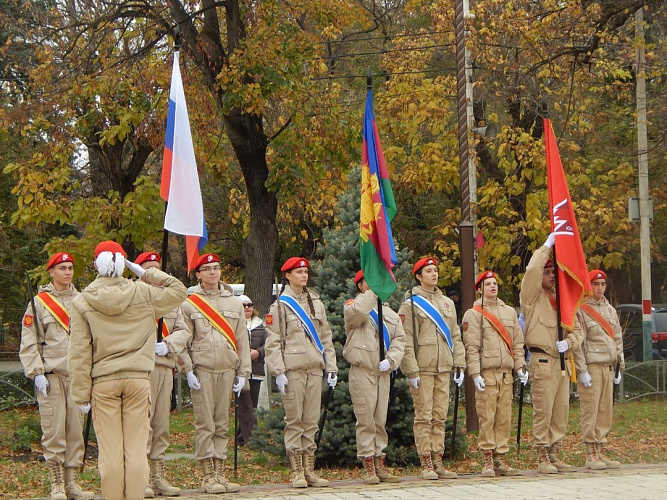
point(369, 80)
point(177, 37)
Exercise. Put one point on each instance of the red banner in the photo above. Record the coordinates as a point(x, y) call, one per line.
point(573, 281)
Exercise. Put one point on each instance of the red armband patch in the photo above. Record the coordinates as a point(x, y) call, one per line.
point(402, 316)
point(465, 326)
point(349, 302)
point(27, 320)
point(268, 320)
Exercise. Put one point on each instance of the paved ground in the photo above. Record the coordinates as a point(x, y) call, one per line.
point(630, 482)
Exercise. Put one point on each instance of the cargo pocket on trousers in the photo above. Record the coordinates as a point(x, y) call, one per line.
point(197, 402)
point(359, 406)
point(289, 404)
point(46, 415)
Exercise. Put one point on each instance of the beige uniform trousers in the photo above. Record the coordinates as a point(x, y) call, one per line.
point(550, 392)
point(597, 403)
point(62, 439)
point(211, 407)
point(301, 401)
point(494, 410)
point(162, 382)
point(121, 417)
point(431, 402)
point(370, 398)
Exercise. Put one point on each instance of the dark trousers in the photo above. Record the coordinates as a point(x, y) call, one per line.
point(246, 411)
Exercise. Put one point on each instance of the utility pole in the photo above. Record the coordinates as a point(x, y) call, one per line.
point(468, 186)
point(642, 163)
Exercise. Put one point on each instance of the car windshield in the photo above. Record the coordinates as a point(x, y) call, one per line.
point(661, 321)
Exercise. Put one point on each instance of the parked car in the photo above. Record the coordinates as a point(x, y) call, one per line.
point(631, 319)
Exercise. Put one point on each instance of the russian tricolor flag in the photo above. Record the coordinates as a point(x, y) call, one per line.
point(180, 179)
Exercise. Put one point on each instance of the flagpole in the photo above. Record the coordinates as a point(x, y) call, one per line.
point(545, 115)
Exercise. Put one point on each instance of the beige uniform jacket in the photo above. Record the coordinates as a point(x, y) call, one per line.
point(433, 354)
point(210, 350)
point(598, 346)
point(177, 340)
point(46, 352)
point(539, 315)
point(288, 347)
point(113, 328)
point(362, 347)
point(485, 349)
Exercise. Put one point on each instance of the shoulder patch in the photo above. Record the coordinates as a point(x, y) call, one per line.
point(465, 326)
point(402, 316)
point(28, 320)
point(349, 302)
point(268, 320)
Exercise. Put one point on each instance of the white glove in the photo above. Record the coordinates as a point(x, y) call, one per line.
point(161, 349)
point(414, 382)
point(193, 382)
point(617, 380)
point(384, 365)
point(458, 379)
point(281, 382)
point(332, 379)
point(562, 346)
point(523, 376)
point(238, 386)
point(84, 408)
point(585, 379)
point(479, 383)
point(135, 268)
point(551, 240)
point(41, 383)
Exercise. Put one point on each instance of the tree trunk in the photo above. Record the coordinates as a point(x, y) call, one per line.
point(247, 137)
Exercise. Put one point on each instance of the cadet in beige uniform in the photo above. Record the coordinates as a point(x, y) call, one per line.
point(494, 348)
point(295, 359)
point(430, 355)
point(596, 360)
point(369, 377)
point(112, 352)
point(44, 357)
point(549, 389)
point(221, 355)
point(174, 341)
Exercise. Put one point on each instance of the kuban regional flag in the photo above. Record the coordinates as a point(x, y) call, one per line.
point(378, 208)
point(573, 282)
point(180, 179)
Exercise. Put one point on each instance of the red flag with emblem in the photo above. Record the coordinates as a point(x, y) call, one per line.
point(573, 281)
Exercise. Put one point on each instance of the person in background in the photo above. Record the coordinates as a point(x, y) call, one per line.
point(433, 349)
point(248, 400)
point(370, 376)
point(596, 361)
point(299, 348)
point(111, 356)
point(455, 295)
point(220, 352)
point(43, 354)
point(174, 341)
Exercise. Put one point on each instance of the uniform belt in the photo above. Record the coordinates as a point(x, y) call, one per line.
point(537, 349)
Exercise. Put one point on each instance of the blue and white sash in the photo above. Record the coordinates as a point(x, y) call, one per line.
point(434, 315)
point(306, 322)
point(385, 332)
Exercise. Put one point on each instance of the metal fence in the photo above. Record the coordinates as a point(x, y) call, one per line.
point(643, 379)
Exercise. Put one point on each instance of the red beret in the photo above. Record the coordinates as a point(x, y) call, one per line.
point(426, 261)
point(294, 263)
point(109, 246)
point(59, 258)
point(147, 256)
point(207, 258)
point(550, 263)
point(359, 276)
point(484, 275)
point(596, 274)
